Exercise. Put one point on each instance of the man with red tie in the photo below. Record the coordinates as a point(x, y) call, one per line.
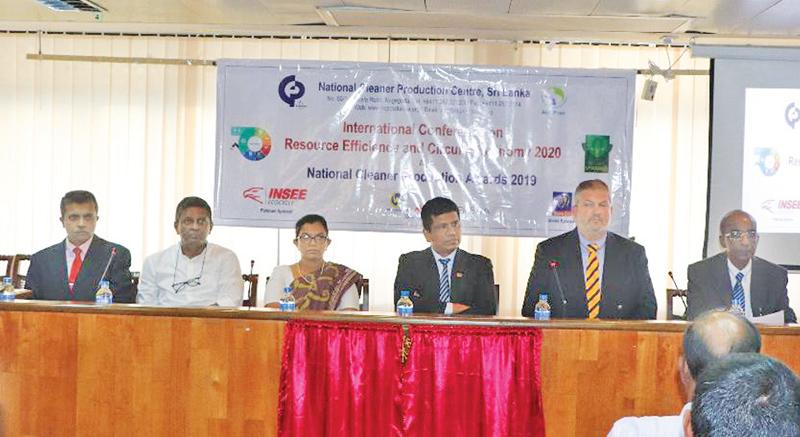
point(73, 268)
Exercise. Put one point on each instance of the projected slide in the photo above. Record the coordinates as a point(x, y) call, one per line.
point(771, 160)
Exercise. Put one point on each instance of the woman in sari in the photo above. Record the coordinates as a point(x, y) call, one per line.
point(316, 284)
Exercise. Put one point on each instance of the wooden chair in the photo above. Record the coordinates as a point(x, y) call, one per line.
point(363, 290)
point(135, 280)
point(18, 275)
point(8, 260)
point(251, 282)
point(672, 293)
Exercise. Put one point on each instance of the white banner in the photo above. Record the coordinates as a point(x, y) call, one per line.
point(365, 145)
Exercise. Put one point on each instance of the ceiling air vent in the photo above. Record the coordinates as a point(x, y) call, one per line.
point(72, 5)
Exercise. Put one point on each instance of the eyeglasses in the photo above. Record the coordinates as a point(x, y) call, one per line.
point(737, 235)
point(192, 282)
point(178, 286)
point(316, 239)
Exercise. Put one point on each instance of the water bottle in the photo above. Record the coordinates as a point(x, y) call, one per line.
point(405, 307)
point(542, 309)
point(287, 300)
point(104, 296)
point(7, 294)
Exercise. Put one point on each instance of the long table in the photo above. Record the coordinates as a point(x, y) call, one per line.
point(72, 369)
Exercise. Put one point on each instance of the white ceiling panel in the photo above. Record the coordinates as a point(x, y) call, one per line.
point(553, 7)
point(477, 7)
point(465, 23)
point(403, 5)
point(781, 19)
point(639, 7)
point(592, 20)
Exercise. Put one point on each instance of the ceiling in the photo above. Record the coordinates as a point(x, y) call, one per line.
point(774, 22)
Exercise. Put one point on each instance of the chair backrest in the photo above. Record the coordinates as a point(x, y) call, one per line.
point(672, 293)
point(251, 290)
point(20, 273)
point(497, 295)
point(135, 280)
point(363, 290)
point(8, 262)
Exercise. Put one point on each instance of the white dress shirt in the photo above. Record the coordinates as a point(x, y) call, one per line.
point(732, 272)
point(448, 309)
point(218, 269)
point(650, 426)
point(71, 254)
point(282, 277)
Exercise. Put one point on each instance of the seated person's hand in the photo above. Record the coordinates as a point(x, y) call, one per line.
point(459, 308)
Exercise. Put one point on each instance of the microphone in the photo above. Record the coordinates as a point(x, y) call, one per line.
point(553, 265)
point(680, 296)
point(250, 283)
point(105, 271)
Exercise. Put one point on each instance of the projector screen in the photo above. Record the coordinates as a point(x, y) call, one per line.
point(755, 147)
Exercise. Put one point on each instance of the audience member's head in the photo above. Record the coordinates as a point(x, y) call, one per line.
point(745, 394)
point(716, 334)
point(738, 234)
point(592, 209)
point(79, 216)
point(441, 224)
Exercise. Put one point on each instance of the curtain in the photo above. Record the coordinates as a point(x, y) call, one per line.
point(141, 137)
point(473, 381)
point(340, 379)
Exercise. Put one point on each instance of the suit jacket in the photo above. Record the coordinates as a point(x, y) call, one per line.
point(471, 282)
point(47, 273)
point(710, 287)
point(626, 285)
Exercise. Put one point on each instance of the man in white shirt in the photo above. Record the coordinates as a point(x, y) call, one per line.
point(711, 336)
point(193, 272)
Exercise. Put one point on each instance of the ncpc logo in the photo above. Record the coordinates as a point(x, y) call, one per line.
point(791, 114)
point(291, 90)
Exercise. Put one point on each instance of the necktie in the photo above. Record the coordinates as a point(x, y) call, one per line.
point(593, 293)
point(74, 269)
point(738, 293)
point(444, 282)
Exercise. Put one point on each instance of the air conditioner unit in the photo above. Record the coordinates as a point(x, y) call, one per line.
point(72, 5)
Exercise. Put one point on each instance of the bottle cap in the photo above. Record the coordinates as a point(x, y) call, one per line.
point(287, 289)
point(405, 293)
point(6, 279)
point(104, 283)
point(543, 296)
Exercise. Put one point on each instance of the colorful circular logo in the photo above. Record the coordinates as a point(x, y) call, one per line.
point(254, 142)
point(395, 200)
point(769, 161)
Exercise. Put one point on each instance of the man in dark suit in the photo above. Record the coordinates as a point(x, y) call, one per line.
point(444, 278)
point(72, 269)
point(736, 277)
point(601, 274)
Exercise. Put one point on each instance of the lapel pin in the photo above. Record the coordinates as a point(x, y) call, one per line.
point(459, 275)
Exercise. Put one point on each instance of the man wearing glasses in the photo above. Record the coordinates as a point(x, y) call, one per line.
point(193, 272)
point(444, 278)
point(736, 278)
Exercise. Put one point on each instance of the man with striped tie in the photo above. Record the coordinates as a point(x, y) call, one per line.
point(736, 278)
point(590, 272)
point(444, 278)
